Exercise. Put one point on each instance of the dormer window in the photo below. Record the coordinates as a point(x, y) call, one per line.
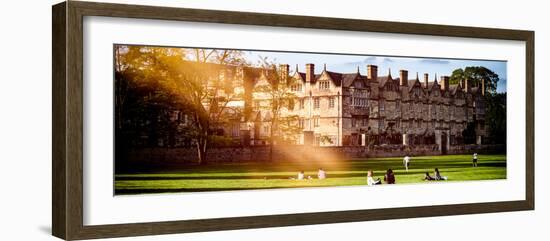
point(417, 91)
point(390, 87)
point(324, 85)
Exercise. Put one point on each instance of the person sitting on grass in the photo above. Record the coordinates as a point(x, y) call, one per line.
point(321, 174)
point(438, 176)
point(427, 177)
point(301, 175)
point(389, 178)
point(370, 179)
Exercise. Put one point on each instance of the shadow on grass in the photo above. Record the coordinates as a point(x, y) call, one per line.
point(236, 177)
point(248, 167)
point(177, 190)
point(426, 166)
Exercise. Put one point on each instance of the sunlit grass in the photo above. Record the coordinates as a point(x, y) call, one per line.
point(260, 175)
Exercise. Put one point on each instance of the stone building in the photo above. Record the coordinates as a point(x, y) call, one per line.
point(353, 109)
point(343, 109)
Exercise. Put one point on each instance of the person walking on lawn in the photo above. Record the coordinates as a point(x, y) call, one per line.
point(406, 162)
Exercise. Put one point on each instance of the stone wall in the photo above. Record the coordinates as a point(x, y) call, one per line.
point(290, 153)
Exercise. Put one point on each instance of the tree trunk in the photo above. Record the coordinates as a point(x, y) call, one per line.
point(201, 150)
point(202, 146)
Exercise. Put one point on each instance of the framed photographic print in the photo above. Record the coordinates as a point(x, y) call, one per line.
point(170, 120)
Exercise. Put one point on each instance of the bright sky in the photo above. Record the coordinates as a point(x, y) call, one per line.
point(348, 64)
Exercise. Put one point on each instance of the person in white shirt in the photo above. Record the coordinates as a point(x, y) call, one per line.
point(437, 175)
point(370, 179)
point(406, 162)
point(474, 160)
point(321, 174)
point(300, 175)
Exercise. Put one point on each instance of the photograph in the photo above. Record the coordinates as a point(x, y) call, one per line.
point(199, 119)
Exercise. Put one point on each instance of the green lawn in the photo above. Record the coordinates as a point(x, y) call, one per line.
point(260, 175)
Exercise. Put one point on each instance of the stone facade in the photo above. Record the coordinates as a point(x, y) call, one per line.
point(351, 109)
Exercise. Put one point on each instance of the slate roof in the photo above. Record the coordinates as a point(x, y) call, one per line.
point(347, 79)
point(411, 83)
point(431, 84)
point(302, 75)
point(454, 88)
point(339, 78)
point(383, 79)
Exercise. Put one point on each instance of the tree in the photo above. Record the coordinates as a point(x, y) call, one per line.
point(469, 134)
point(495, 117)
point(476, 74)
point(194, 78)
point(276, 91)
point(218, 56)
point(142, 106)
point(210, 97)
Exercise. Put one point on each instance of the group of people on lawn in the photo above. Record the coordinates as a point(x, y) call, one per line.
point(389, 177)
point(321, 174)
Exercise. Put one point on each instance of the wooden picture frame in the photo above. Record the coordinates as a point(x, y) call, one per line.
point(67, 152)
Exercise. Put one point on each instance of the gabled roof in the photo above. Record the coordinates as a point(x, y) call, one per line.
point(301, 75)
point(455, 88)
point(349, 78)
point(258, 115)
point(412, 82)
point(255, 116)
point(384, 79)
point(335, 77)
point(431, 84)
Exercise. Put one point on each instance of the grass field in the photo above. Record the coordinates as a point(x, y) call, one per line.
point(261, 175)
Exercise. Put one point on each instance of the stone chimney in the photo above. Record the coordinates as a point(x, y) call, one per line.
point(310, 73)
point(372, 72)
point(403, 77)
point(284, 68)
point(444, 83)
point(466, 86)
point(426, 76)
